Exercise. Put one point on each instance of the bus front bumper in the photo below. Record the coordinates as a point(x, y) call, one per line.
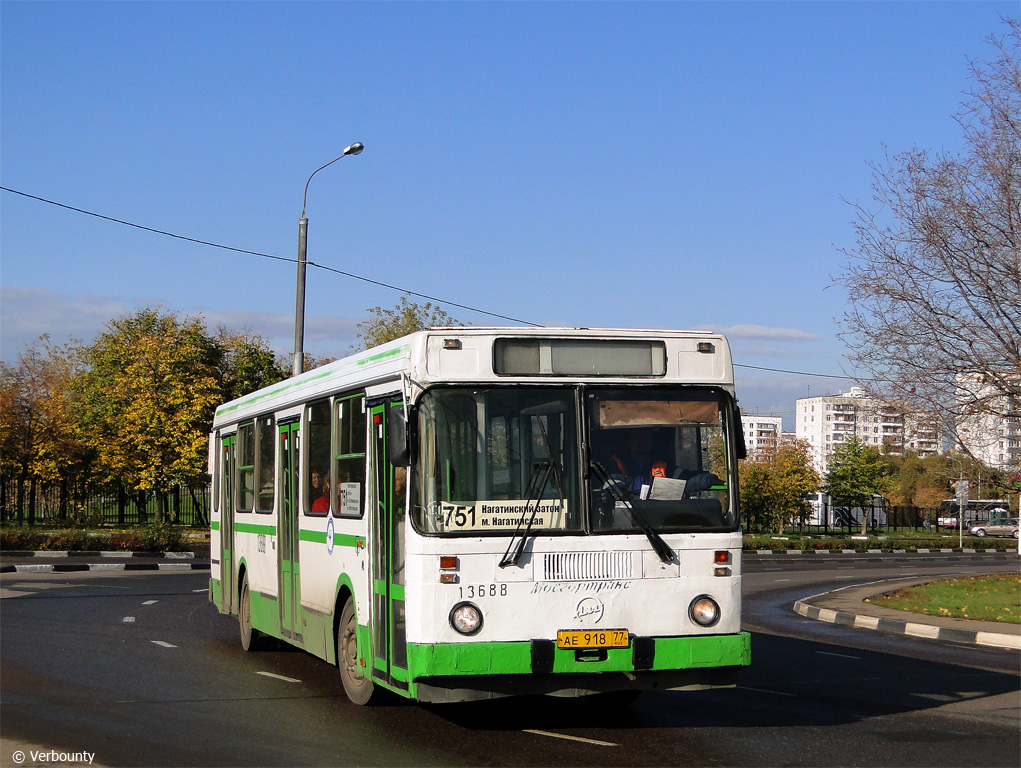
point(463, 671)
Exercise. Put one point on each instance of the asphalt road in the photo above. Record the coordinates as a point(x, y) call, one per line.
point(138, 669)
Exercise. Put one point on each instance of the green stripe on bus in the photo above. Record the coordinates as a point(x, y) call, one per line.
point(302, 380)
point(384, 355)
point(515, 658)
point(339, 539)
point(272, 392)
point(268, 530)
point(215, 525)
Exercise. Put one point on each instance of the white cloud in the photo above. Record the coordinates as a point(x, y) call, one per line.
point(27, 313)
point(744, 332)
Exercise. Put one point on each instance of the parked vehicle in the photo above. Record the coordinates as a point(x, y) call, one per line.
point(1008, 527)
point(976, 512)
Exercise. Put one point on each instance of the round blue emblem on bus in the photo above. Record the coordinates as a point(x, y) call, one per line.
point(329, 535)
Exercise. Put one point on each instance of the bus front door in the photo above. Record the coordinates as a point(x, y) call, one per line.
point(226, 501)
point(389, 635)
point(290, 570)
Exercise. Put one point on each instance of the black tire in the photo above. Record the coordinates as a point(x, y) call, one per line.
point(359, 688)
point(251, 638)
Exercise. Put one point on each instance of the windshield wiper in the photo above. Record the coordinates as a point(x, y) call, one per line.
point(663, 550)
point(548, 468)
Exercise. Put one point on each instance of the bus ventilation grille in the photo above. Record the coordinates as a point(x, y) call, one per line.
point(580, 566)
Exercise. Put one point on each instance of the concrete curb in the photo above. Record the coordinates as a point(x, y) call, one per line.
point(811, 552)
point(887, 620)
point(77, 567)
point(98, 553)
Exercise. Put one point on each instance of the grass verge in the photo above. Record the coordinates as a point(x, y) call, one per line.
point(980, 598)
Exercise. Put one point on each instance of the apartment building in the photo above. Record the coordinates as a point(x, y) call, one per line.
point(993, 433)
point(761, 432)
point(827, 421)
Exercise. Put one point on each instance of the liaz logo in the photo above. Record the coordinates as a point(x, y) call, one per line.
point(589, 609)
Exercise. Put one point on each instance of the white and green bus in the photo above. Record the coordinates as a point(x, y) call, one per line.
point(468, 513)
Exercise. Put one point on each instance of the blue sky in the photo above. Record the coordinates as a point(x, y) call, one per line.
point(660, 165)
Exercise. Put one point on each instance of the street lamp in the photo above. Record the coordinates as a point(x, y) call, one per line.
point(299, 309)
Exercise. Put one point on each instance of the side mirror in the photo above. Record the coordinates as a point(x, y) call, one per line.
point(398, 438)
point(742, 449)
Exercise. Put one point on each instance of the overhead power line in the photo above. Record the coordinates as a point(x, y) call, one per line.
point(798, 373)
point(346, 274)
point(271, 256)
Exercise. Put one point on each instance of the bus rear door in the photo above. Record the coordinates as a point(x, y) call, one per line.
point(226, 502)
point(290, 569)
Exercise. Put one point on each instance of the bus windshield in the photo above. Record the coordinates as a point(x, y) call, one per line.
point(660, 456)
point(504, 459)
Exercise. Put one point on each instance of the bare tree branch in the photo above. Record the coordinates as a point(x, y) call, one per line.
point(934, 281)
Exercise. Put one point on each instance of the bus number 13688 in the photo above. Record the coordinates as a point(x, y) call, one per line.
point(471, 591)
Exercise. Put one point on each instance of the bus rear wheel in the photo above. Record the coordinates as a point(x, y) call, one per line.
point(358, 687)
point(251, 638)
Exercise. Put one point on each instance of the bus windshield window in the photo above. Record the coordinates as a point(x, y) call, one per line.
point(660, 454)
point(492, 459)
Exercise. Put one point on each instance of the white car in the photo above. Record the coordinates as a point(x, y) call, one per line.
point(1007, 528)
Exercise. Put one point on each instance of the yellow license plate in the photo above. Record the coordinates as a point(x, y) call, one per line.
point(593, 638)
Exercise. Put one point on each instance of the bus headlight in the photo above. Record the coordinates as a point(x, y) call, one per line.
point(466, 618)
point(704, 611)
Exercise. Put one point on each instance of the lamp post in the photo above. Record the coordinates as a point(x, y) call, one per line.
point(299, 309)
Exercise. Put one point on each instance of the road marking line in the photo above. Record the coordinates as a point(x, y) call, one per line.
point(278, 677)
point(200, 590)
point(573, 738)
point(765, 690)
point(150, 602)
point(781, 579)
point(163, 643)
point(129, 619)
point(841, 655)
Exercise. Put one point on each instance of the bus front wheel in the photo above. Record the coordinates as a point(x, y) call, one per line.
point(358, 687)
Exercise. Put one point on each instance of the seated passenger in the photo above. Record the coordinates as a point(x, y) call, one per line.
point(322, 505)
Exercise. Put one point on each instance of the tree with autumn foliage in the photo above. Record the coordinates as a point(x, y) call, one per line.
point(39, 439)
point(857, 473)
point(247, 363)
point(407, 317)
point(775, 485)
point(147, 399)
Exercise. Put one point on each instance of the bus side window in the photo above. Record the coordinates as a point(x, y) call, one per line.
point(266, 464)
point(246, 467)
point(317, 501)
point(349, 456)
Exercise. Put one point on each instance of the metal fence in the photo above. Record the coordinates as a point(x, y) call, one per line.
point(846, 521)
point(189, 506)
point(109, 507)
